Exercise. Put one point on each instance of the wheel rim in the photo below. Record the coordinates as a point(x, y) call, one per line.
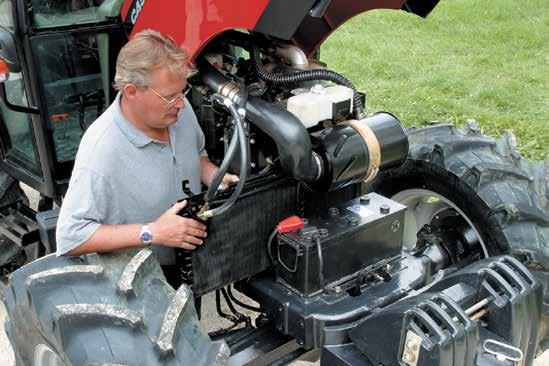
point(423, 207)
point(45, 356)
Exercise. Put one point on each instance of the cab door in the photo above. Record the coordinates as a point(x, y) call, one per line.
point(18, 148)
point(70, 48)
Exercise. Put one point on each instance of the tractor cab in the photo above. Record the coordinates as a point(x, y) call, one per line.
point(57, 62)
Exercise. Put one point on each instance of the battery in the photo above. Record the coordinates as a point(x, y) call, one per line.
point(353, 236)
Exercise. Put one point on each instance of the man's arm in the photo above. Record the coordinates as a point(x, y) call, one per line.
point(208, 171)
point(169, 229)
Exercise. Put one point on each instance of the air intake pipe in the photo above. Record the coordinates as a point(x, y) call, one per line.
point(350, 152)
point(290, 136)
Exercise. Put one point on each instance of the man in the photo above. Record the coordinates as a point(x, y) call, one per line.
point(132, 160)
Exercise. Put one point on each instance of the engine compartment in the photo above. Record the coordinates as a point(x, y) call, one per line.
point(307, 149)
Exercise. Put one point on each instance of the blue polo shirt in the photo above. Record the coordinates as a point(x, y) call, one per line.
point(122, 176)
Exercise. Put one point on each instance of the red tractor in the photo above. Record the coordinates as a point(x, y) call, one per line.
point(364, 243)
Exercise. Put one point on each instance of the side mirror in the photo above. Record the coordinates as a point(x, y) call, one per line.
point(8, 56)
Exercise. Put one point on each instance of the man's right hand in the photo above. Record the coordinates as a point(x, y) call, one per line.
point(172, 230)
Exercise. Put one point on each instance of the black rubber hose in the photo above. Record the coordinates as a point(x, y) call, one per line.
point(229, 155)
point(290, 136)
point(308, 75)
point(218, 177)
point(244, 162)
point(243, 94)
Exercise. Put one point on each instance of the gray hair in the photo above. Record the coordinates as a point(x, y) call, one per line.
point(145, 52)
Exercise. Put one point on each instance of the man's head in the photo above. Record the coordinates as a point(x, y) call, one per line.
point(151, 73)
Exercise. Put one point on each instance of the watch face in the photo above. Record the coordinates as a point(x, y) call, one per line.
point(145, 237)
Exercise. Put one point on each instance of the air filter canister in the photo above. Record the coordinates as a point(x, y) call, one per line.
point(355, 151)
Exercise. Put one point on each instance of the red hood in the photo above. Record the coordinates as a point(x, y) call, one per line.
point(194, 23)
point(313, 30)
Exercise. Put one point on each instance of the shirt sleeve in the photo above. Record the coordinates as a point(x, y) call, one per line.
point(85, 207)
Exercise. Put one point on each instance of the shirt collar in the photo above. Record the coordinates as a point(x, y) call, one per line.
point(132, 133)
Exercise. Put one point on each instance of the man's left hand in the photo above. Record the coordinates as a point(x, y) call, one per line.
point(227, 180)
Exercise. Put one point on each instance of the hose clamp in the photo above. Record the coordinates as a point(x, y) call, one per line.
point(319, 165)
point(372, 143)
point(229, 90)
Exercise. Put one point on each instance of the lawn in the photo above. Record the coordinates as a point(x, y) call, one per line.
point(487, 60)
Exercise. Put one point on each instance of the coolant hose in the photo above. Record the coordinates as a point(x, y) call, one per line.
point(229, 155)
point(308, 75)
point(218, 177)
point(244, 159)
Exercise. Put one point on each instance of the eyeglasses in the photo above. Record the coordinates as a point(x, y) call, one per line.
point(170, 102)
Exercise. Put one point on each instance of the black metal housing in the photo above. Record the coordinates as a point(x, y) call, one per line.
point(346, 153)
point(371, 328)
point(353, 236)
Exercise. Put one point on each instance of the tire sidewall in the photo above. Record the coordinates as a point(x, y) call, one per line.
point(420, 174)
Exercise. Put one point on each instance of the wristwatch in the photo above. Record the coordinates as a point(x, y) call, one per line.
point(146, 235)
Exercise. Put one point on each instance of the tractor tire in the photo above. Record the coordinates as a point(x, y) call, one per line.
point(11, 255)
point(107, 309)
point(502, 196)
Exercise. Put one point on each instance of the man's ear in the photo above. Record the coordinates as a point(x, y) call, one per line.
point(130, 91)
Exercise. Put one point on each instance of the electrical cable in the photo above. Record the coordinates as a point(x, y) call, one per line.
point(320, 263)
point(270, 244)
point(240, 303)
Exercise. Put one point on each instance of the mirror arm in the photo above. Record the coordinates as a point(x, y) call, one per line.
point(13, 107)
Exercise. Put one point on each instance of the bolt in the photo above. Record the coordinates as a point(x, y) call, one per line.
point(333, 211)
point(384, 209)
point(252, 141)
point(337, 289)
point(252, 165)
point(353, 221)
point(365, 200)
point(323, 232)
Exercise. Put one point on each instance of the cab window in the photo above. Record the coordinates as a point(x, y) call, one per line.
point(74, 72)
point(61, 13)
point(18, 143)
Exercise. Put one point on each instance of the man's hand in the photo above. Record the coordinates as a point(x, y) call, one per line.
point(228, 179)
point(172, 230)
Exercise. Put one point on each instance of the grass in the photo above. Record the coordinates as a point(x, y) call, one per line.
point(487, 60)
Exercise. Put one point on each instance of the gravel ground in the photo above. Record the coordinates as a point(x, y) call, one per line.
point(210, 321)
